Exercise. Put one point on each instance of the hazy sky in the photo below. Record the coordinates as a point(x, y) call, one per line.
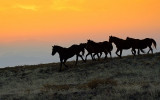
point(29, 28)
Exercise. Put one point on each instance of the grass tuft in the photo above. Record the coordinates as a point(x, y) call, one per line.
point(94, 83)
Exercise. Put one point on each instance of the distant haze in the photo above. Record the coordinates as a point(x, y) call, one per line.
point(29, 28)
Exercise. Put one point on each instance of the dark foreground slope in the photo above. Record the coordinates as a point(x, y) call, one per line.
point(113, 79)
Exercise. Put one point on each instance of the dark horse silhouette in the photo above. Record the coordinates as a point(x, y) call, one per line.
point(93, 47)
point(120, 44)
point(106, 48)
point(142, 44)
point(66, 53)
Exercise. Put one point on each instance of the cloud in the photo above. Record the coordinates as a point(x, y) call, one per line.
point(26, 7)
point(60, 8)
point(74, 5)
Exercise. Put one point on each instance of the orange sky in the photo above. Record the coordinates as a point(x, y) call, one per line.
point(76, 20)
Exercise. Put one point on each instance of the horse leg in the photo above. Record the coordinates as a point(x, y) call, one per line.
point(64, 63)
point(120, 54)
point(86, 57)
point(100, 54)
point(82, 58)
point(76, 60)
point(117, 52)
point(110, 54)
point(61, 61)
point(138, 52)
point(94, 56)
point(106, 53)
point(150, 50)
point(133, 51)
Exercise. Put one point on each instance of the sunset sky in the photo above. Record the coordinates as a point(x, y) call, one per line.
point(44, 23)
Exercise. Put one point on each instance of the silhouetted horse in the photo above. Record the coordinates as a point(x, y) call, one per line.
point(66, 53)
point(106, 48)
point(120, 44)
point(93, 47)
point(142, 44)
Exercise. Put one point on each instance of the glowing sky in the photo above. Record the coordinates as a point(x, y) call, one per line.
point(37, 19)
point(65, 22)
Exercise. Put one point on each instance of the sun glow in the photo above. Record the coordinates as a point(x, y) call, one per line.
point(26, 7)
point(80, 19)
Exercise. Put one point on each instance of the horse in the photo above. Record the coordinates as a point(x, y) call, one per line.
point(107, 48)
point(120, 44)
point(94, 47)
point(142, 44)
point(66, 53)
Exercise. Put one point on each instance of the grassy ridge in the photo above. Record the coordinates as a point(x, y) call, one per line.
point(131, 78)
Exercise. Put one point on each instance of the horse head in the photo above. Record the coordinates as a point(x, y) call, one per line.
point(128, 38)
point(114, 39)
point(54, 50)
point(110, 39)
point(89, 41)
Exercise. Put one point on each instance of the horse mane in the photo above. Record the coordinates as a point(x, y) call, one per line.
point(117, 38)
point(73, 45)
point(82, 43)
point(91, 41)
point(130, 38)
point(56, 46)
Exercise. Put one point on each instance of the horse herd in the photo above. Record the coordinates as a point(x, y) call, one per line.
point(97, 48)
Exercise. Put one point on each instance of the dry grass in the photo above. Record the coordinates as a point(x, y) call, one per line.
point(94, 83)
point(48, 87)
point(129, 78)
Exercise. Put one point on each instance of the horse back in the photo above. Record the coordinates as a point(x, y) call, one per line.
point(93, 47)
point(107, 45)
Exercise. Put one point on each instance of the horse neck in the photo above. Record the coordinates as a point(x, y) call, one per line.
point(105, 42)
point(83, 45)
point(91, 43)
point(60, 49)
point(116, 40)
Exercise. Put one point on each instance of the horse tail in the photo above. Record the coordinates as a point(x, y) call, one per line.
point(154, 43)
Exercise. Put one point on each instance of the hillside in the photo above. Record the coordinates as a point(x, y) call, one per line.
point(112, 79)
